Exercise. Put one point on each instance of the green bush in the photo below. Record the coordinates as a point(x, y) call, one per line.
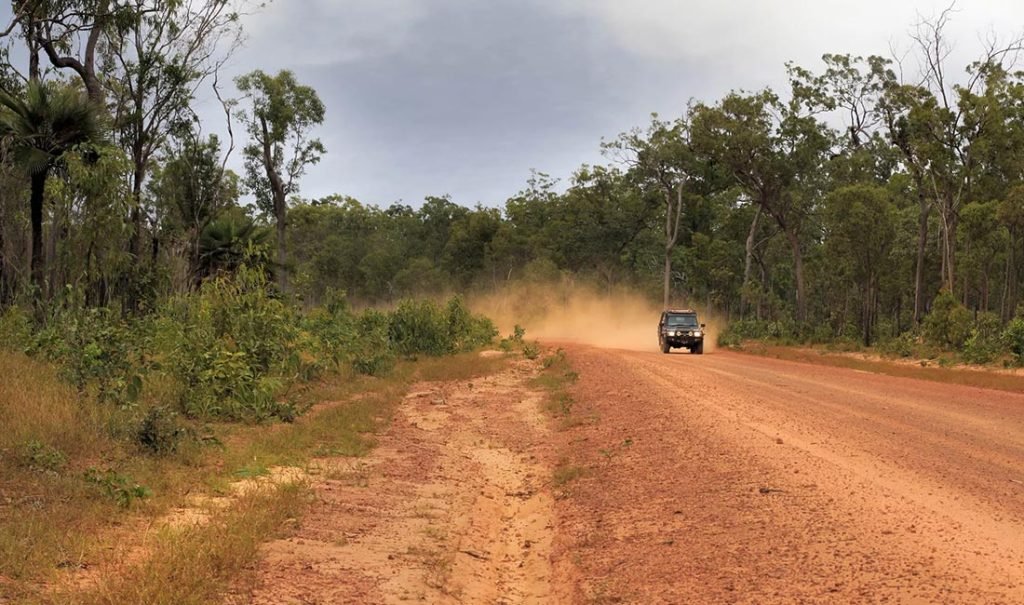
point(94, 348)
point(903, 345)
point(160, 432)
point(949, 324)
point(422, 327)
point(15, 330)
point(1013, 338)
point(984, 344)
point(230, 347)
point(372, 353)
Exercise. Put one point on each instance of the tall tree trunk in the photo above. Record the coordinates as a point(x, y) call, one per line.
point(798, 273)
point(668, 278)
point(36, 217)
point(673, 217)
point(135, 243)
point(282, 251)
point(922, 246)
point(748, 261)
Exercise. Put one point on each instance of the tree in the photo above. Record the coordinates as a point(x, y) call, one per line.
point(280, 115)
point(158, 53)
point(660, 157)
point(41, 129)
point(860, 229)
point(193, 189)
point(775, 154)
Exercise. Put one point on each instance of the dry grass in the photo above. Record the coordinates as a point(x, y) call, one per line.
point(982, 378)
point(52, 520)
point(196, 564)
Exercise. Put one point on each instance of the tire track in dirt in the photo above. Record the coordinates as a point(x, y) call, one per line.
point(453, 506)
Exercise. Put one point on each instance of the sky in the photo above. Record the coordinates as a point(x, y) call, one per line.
point(466, 97)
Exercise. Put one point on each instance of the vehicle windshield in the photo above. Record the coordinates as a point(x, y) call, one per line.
point(684, 321)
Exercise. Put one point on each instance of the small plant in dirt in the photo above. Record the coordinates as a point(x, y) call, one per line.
point(161, 432)
point(566, 473)
point(531, 350)
point(42, 457)
point(117, 487)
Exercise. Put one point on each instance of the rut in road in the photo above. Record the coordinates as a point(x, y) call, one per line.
point(451, 507)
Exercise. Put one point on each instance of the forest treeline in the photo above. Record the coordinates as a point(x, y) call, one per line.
point(869, 195)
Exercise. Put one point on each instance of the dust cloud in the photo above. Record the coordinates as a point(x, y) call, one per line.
point(571, 312)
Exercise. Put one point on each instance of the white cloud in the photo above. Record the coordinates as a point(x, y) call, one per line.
point(743, 40)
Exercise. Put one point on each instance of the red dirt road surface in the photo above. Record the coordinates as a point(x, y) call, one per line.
point(721, 478)
point(727, 478)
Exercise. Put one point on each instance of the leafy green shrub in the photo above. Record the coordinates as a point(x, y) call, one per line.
point(949, 324)
point(753, 329)
point(229, 346)
point(42, 457)
point(119, 488)
point(15, 330)
point(419, 326)
point(424, 327)
point(160, 432)
point(1013, 338)
point(94, 348)
point(371, 352)
point(985, 342)
point(903, 345)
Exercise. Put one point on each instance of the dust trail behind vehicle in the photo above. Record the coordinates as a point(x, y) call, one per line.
point(565, 311)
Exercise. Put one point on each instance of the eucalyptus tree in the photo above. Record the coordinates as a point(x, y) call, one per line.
point(156, 55)
point(279, 114)
point(776, 154)
point(660, 158)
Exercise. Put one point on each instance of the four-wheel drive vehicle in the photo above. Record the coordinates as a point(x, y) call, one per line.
point(680, 330)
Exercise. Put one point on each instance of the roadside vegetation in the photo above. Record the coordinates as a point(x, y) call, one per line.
point(112, 420)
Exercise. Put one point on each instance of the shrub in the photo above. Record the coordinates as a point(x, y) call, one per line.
point(903, 345)
point(94, 348)
point(119, 488)
point(160, 432)
point(371, 351)
point(42, 457)
point(229, 345)
point(985, 342)
point(1013, 338)
point(15, 330)
point(949, 324)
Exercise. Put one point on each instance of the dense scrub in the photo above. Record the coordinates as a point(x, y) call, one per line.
point(233, 349)
point(950, 332)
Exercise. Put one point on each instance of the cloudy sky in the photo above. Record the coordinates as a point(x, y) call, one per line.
point(465, 97)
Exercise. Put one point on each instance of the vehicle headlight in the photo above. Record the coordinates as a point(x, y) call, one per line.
point(698, 333)
point(679, 332)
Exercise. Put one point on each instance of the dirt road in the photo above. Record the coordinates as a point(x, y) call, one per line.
point(720, 478)
point(728, 478)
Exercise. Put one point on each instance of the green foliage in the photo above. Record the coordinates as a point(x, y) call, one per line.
point(15, 330)
point(95, 349)
point(948, 324)
point(228, 346)
point(160, 432)
point(117, 487)
point(371, 352)
point(1013, 337)
point(423, 327)
point(42, 457)
point(903, 345)
point(985, 343)
point(752, 329)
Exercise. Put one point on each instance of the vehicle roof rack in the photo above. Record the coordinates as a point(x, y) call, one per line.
point(680, 311)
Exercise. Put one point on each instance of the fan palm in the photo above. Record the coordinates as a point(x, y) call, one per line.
point(228, 242)
point(39, 130)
